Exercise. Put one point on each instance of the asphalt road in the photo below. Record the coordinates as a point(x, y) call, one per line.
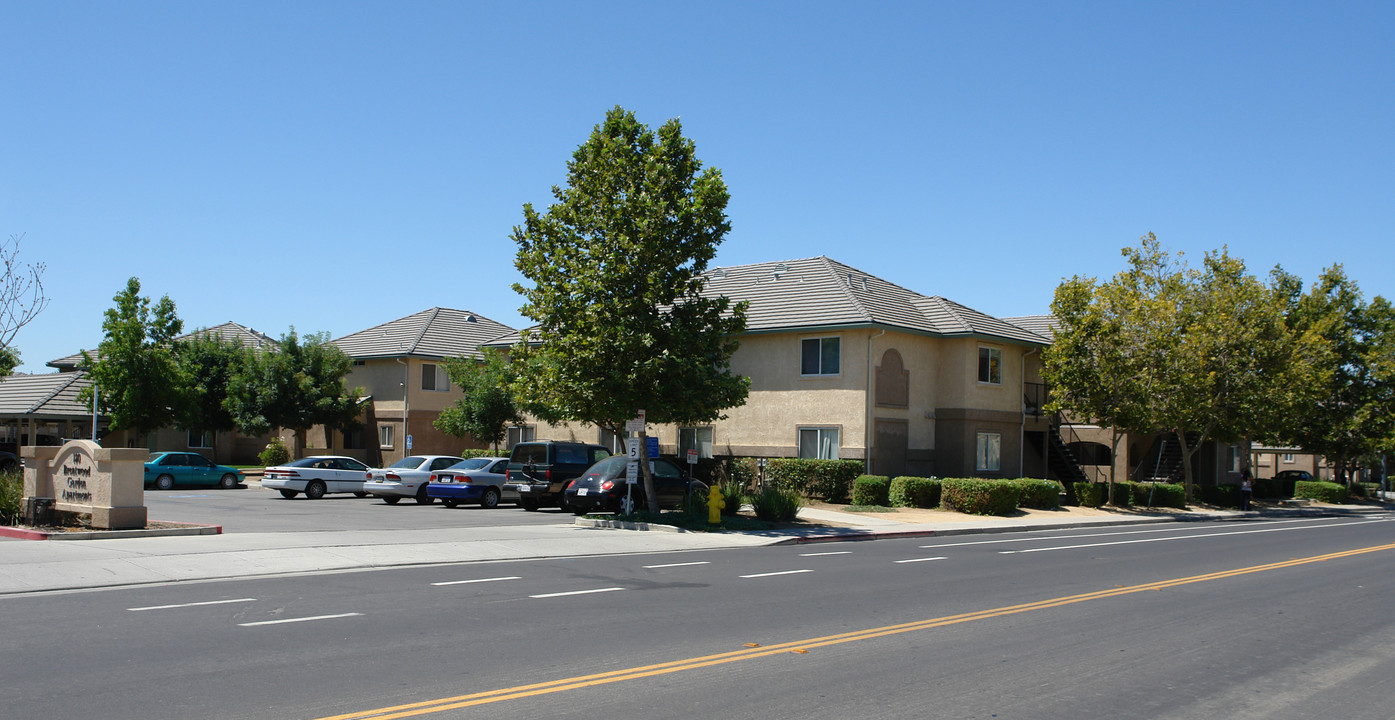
point(252, 509)
point(1255, 619)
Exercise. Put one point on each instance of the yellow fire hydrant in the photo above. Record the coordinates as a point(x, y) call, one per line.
point(715, 503)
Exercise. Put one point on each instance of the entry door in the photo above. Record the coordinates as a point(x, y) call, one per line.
point(889, 448)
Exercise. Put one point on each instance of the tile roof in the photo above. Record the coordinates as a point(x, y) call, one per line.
point(436, 332)
point(52, 395)
point(1043, 325)
point(817, 293)
point(228, 331)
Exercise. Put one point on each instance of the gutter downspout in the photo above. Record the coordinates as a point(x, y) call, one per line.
point(406, 385)
point(867, 420)
point(1022, 429)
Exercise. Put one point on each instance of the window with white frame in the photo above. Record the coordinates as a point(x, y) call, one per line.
point(818, 443)
point(990, 365)
point(694, 438)
point(990, 452)
point(385, 436)
point(200, 439)
point(434, 377)
point(820, 356)
point(1287, 458)
point(521, 433)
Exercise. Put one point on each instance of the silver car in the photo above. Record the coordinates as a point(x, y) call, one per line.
point(315, 476)
point(406, 478)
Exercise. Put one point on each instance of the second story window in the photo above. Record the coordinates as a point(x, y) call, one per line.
point(434, 377)
point(990, 365)
point(820, 356)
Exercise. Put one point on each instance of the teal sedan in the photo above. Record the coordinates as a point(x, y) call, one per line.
point(164, 470)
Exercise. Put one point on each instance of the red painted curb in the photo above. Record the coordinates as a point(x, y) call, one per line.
point(27, 534)
point(22, 534)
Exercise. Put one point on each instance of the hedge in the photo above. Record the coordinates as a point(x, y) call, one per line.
point(1120, 493)
point(978, 497)
point(1221, 495)
point(1164, 494)
point(1088, 494)
point(827, 480)
point(1037, 493)
point(917, 492)
point(473, 453)
point(1320, 491)
point(871, 490)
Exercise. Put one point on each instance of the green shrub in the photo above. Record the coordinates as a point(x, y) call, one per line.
point(776, 504)
point(871, 490)
point(1069, 498)
point(741, 471)
point(916, 492)
point(1219, 495)
point(1269, 488)
point(1320, 491)
point(474, 453)
point(1365, 489)
point(1089, 494)
point(1162, 495)
point(1037, 493)
point(978, 496)
point(733, 494)
point(1120, 493)
point(11, 497)
point(827, 480)
point(274, 454)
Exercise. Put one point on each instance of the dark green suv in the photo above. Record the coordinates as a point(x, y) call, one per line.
point(541, 471)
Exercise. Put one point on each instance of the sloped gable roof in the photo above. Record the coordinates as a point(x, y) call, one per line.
point(228, 331)
point(436, 332)
point(48, 395)
point(1043, 325)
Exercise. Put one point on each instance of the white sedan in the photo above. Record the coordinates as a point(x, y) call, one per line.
point(315, 476)
point(406, 478)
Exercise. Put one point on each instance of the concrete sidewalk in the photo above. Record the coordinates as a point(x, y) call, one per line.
point(32, 567)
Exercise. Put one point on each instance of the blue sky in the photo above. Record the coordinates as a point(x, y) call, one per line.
point(336, 165)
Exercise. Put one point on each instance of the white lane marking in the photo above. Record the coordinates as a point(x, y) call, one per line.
point(477, 580)
point(1040, 538)
point(772, 574)
point(840, 552)
point(686, 564)
point(576, 592)
point(193, 604)
point(898, 562)
point(296, 620)
point(1183, 537)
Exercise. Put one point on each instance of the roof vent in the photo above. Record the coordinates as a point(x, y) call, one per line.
point(469, 318)
point(780, 269)
point(719, 273)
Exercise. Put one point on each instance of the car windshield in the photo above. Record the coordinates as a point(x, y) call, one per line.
point(610, 467)
point(155, 456)
point(411, 461)
point(471, 464)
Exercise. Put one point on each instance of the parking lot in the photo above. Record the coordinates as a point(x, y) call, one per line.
point(252, 509)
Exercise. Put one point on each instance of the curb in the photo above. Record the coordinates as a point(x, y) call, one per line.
point(623, 525)
point(186, 530)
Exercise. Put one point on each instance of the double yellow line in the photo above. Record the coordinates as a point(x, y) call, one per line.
point(750, 653)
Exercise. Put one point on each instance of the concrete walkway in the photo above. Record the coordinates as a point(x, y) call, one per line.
point(28, 567)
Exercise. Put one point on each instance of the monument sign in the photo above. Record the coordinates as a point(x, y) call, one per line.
point(84, 477)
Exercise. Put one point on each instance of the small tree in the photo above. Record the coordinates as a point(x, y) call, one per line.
point(487, 406)
point(139, 382)
point(616, 270)
point(298, 385)
point(21, 298)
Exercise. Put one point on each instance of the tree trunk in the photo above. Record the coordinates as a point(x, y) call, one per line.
point(1186, 462)
point(651, 498)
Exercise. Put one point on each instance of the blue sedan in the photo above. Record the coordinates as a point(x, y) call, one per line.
point(164, 470)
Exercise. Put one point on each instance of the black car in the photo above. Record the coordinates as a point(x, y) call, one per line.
point(541, 471)
point(603, 487)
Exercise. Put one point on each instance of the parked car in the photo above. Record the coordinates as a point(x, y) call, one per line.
point(1293, 475)
point(602, 488)
point(317, 475)
point(541, 471)
point(407, 477)
point(164, 470)
point(476, 480)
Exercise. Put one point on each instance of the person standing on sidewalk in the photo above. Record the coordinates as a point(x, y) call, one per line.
point(1247, 486)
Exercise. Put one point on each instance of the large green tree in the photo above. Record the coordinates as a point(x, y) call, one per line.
point(486, 406)
point(139, 383)
point(208, 364)
point(297, 385)
point(616, 270)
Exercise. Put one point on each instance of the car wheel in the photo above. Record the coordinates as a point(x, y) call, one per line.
point(228, 482)
point(391, 499)
point(490, 499)
point(562, 499)
point(449, 502)
point(578, 511)
point(530, 505)
point(360, 494)
point(164, 482)
point(315, 490)
point(422, 497)
point(288, 494)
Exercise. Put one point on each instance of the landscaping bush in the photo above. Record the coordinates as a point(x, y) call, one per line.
point(1037, 493)
point(474, 453)
point(871, 490)
point(741, 471)
point(1120, 493)
point(733, 494)
point(776, 504)
point(11, 497)
point(274, 454)
point(1320, 491)
point(1268, 489)
point(1089, 494)
point(1069, 498)
point(1163, 495)
point(1219, 495)
point(916, 492)
point(978, 497)
point(827, 480)
point(1365, 489)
